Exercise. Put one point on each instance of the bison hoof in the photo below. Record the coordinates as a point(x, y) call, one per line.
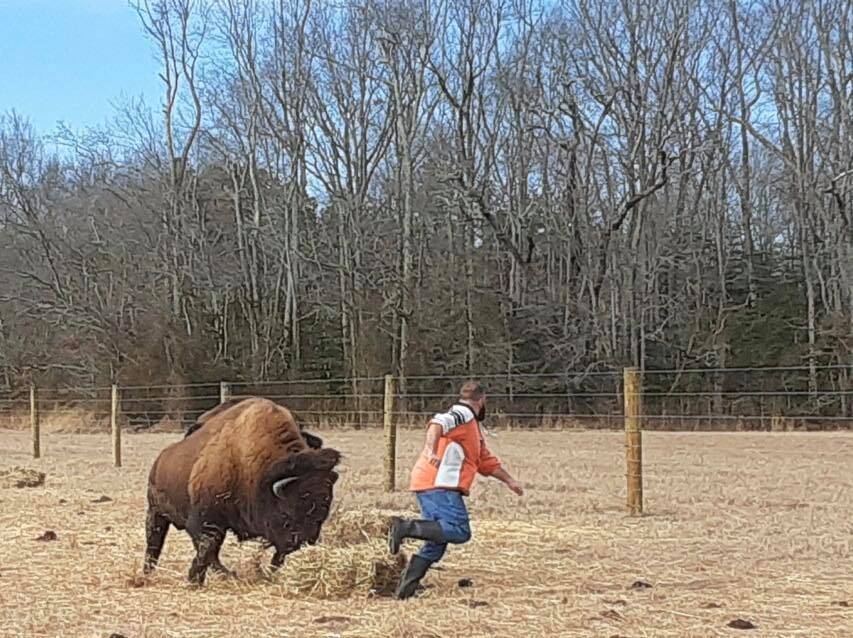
point(224, 572)
point(195, 582)
point(196, 578)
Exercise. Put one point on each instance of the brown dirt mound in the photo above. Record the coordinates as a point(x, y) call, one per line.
point(21, 477)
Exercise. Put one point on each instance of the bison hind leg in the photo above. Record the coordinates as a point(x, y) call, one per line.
point(277, 560)
point(156, 527)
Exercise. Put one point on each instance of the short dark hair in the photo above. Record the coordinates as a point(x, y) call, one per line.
point(471, 391)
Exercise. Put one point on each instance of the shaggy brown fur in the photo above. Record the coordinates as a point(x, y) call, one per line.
point(220, 478)
point(314, 442)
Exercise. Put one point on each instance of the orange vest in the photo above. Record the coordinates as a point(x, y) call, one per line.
point(462, 451)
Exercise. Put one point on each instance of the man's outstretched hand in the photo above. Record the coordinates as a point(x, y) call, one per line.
point(503, 476)
point(515, 486)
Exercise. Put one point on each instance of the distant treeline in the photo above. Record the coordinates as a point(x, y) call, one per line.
point(435, 187)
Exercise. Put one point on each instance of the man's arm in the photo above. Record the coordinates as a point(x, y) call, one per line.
point(433, 434)
point(504, 476)
point(490, 465)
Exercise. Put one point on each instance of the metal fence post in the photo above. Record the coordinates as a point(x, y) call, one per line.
point(224, 391)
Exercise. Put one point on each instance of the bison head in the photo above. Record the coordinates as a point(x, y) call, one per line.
point(298, 493)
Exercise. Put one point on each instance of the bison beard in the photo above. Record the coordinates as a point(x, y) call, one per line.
point(249, 470)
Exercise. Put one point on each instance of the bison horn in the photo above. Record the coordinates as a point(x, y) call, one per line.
point(278, 486)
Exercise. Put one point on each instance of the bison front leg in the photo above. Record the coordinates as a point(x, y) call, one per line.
point(278, 560)
point(156, 527)
point(282, 550)
point(207, 544)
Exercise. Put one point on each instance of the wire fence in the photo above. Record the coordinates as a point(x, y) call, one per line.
point(739, 399)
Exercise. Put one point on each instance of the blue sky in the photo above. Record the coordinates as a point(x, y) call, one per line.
point(70, 60)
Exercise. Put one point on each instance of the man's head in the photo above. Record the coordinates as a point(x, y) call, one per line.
point(472, 393)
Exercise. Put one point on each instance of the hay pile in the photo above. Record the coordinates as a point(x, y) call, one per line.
point(21, 477)
point(364, 569)
point(346, 528)
point(352, 559)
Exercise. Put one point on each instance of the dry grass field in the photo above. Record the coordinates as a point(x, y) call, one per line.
point(756, 527)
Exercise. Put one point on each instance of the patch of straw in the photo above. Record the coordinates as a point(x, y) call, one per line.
point(753, 526)
point(62, 419)
point(323, 571)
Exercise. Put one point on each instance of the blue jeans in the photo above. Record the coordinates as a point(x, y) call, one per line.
point(447, 508)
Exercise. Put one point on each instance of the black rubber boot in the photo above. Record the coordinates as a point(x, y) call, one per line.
point(411, 578)
point(422, 530)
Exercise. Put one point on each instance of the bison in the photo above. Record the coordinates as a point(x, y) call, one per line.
point(246, 468)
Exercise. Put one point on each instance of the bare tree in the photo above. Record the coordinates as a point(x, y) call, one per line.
point(427, 186)
point(406, 35)
point(177, 28)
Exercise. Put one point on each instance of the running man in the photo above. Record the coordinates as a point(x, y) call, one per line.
point(454, 453)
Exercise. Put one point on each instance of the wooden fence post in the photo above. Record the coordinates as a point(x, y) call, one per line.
point(632, 391)
point(224, 391)
point(390, 424)
point(34, 421)
point(114, 426)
